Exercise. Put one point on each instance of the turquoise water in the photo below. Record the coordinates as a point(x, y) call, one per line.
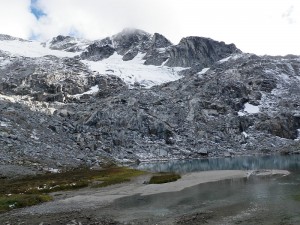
point(289, 162)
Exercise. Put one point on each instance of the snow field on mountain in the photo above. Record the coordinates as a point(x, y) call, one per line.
point(31, 49)
point(134, 71)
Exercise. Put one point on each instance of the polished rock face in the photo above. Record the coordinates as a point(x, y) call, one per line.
point(56, 110)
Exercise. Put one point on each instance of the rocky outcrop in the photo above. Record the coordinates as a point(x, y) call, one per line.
point(157, 54)
point(127, 43)
point(62, 43)
point(198, 51)
point(5, 37)
point(99, 50)
point(130, 39)
point(195, 53)
point(160, 41)
point(67, 43)
point(51, 79)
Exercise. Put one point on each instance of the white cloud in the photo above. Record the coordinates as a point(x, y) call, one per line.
point(261, 27)
point(15, 18)
point(98, 18)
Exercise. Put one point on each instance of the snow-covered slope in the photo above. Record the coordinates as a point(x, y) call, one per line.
point(31, 49)
point(134, 72)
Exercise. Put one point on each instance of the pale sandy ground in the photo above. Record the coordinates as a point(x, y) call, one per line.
point(94, 198)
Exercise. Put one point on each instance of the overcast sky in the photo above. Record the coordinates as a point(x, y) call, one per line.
point(256, 26)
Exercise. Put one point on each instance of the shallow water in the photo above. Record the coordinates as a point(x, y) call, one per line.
point(288, 162)
point(237, 201)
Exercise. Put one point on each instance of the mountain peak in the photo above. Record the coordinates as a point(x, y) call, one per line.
point(132, 31)
point(199, 51)
point(160, 41)
point(5, 37)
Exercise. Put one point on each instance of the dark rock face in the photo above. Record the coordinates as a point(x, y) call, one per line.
point(66, 43)
point(284, 125)
point(60, 38)
point(96, 53)
point(130, 39)
point(99, 50)
point(130, 55)
point(28, 137)
point(62, 43)
point(157, 54)
point(193, 51)
point(159, 41)
point(127, 43)
point(156, 57)
point(5, 37)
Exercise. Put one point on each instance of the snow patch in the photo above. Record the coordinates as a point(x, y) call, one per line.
point(3, 124)
point(31, 49)
point(245, 134)
point(52, 170)
point(7, 98)
point(92, 90)
point(161, 50)
point(241, 113)
point(249, 108)
point(298, 135)
point(224, 60)
point(237, 56)
point(4, 62)
point(134, 71)
point(203, 71)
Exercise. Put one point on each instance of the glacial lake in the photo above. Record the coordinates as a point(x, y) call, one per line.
point(283, 162)
point(268, 201)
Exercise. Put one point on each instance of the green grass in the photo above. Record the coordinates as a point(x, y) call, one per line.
point(296, 197)
point(164, 178)
point(8, 202)
point(115, 176)
point(33, 190)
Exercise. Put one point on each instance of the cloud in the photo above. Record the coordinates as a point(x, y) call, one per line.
point(261, 27)
point(93, 19)
point(289, 15)
point(16, 18)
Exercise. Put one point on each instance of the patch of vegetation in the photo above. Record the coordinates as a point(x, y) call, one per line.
point(164, 178)
point(115, 176)
point(8, 202)
point(296, 197)
point(32, 190)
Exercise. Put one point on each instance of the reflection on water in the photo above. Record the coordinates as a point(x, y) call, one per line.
point(238, 201)
point(291, 162)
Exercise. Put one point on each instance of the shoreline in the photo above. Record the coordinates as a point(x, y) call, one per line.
point(19, 171)
point(196, 178)
point(88, 198)
point(87, 203)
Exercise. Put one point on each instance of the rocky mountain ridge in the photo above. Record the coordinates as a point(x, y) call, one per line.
point(70, 104)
